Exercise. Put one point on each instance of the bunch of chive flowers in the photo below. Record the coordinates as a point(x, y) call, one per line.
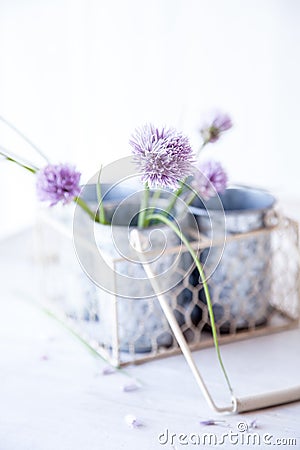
point(165, 160)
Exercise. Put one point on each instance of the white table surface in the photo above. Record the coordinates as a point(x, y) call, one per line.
point(53, 395)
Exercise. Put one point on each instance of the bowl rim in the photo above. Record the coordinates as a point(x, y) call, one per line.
point(199, 211)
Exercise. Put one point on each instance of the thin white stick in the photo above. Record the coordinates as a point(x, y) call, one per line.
point(25, 138)
point(136, 240)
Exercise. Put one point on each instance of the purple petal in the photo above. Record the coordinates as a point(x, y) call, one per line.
point(222, 122)
point(212, 422)
point(212, 132)
point(108, 370)
point(253, 424)
point(133, 422)
point(130, 387)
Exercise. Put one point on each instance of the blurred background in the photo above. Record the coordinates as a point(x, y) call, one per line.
point(77, 76)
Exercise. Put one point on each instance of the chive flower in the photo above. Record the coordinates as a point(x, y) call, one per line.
point(212, 132)
point(58, 183)
point(209, 179)
point(164, 156)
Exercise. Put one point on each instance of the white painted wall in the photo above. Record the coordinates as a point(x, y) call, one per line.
point(79, 75)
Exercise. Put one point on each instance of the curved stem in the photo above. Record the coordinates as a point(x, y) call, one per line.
point(85, 207)
point(178, 192)
point(9, 158)
point(191, 198)
point(77, 200)
point(185, 241)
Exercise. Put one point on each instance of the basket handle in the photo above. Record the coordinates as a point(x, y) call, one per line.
point(238, 405)
point(135, 238)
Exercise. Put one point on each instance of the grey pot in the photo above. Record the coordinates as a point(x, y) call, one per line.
point(141, 325)
point(240, 274)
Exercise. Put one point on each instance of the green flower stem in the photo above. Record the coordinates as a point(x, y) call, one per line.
point(77, 200)
point(154, 198)
point(101, 211)
point(201, 148)
point(65, 324)
point(144, 205)
point(191, 198)
point(173, 227)
point(179, 191)
point(85, 207)
point(175, 197)
point(30, 169)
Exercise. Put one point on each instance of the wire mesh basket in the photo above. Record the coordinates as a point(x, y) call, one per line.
point(125, 330)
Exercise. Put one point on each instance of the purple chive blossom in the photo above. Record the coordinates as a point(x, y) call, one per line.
point(57, 183)
point(212, 132)
point(163, 156)
point(210, 178)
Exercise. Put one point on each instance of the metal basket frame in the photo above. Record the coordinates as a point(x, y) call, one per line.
point(285, 310)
